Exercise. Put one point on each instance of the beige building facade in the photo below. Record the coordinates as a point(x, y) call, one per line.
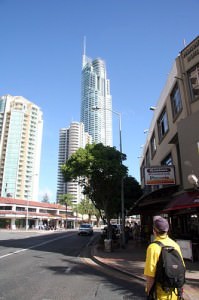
point(171, 154)
point(173, 137)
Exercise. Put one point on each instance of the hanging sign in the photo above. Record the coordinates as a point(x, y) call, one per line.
point(159, 175)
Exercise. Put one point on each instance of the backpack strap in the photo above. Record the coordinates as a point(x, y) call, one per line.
point(159, 243)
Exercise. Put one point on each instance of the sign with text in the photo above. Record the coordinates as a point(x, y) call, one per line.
point(159, 175)
point(186, 248)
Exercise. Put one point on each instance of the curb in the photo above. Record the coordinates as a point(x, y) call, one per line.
point(99, 261)
point(96, 259)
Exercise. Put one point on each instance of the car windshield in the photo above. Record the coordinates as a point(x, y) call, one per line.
point(85, 226)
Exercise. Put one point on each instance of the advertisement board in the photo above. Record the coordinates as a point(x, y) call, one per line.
point(159, 175)
point(186, 248)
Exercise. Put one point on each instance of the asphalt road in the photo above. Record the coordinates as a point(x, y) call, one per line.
point(56, 266)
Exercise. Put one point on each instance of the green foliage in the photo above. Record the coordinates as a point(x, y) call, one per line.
point(132, 192)
point(86, 207)
point(66, 199)
point(99, 170)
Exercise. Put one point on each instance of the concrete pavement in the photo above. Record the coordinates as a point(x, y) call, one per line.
point(131, 261)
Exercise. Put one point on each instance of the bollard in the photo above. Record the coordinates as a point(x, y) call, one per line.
point(108, 245)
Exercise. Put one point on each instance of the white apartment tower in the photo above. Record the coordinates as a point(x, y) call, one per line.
point(21, 127)
point(70, 140)
point(95, 93)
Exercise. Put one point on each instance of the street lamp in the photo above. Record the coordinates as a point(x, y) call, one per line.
point(122, 179)
point(193, 179)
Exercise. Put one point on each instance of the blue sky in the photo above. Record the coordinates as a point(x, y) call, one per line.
point(41, 54)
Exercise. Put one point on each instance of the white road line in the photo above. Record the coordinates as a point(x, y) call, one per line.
point(35, 246)
point(68, 270)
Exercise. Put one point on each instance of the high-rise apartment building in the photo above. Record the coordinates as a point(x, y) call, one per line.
point(70, 140)
point(96, 94)
point(21, 127)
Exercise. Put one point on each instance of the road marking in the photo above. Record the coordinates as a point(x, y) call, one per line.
point(35, 246)
point(15, 252)
point(67, 270)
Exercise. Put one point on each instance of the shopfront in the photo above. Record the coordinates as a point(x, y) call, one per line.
point(183, 213)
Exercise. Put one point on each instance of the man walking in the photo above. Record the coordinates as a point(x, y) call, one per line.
point(160, 230)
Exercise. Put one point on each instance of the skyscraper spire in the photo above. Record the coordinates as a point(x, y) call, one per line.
point(84, 53)
point(184, 42)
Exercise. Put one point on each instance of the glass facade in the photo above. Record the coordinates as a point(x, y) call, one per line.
point(96, 93)
point(21, 128)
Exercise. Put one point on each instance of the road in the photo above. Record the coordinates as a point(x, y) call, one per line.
point(56, 266)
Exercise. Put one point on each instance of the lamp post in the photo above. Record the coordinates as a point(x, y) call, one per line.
point(27, 215)
point(193, 179)
point(122, 179)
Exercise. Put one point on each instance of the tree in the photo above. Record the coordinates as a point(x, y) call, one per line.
point(88, 208)
point(132, 192)
point(66, 199)
point(99, 170)
point(45, 198)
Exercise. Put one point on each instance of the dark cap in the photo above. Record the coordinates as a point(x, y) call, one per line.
point(160, 224)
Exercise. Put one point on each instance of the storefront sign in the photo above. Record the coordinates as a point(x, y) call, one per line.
point(191, 51)
point(159, 175)
point(186, 248)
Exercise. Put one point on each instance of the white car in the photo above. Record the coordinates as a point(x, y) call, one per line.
point(85, 229)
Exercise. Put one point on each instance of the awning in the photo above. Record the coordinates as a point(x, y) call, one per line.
point(154, 202)
point(185, 200)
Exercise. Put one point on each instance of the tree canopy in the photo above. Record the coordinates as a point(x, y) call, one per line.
point(66, 199)
point(99, 169)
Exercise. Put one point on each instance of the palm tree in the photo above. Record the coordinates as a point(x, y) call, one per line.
point(66, 199)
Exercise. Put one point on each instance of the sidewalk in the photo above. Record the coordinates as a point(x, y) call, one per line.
point(131, 261)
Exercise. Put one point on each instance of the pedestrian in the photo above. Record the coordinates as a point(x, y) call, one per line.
point(126, 233)
point(136, 231)
point(160, 231)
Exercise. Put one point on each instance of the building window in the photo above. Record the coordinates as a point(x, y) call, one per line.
point(18, 208)
point(153, 145)
point(163, 126)
point(168, 161)
point(176, 102)
point(193, 76)
point(5, 208)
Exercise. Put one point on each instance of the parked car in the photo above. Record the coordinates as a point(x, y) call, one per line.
point(85, 229)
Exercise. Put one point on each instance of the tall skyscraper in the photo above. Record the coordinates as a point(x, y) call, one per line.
point(95, 92)
point(70, 140)
point(21, 127)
